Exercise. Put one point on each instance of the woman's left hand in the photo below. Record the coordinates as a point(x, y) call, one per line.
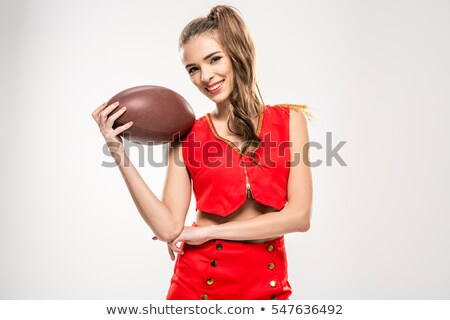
point(189, 235)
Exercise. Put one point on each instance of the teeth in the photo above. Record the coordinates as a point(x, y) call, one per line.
point(215, 87)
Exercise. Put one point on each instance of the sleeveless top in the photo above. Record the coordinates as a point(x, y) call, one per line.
point(223, 178)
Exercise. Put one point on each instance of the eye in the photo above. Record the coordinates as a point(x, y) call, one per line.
point(191, 70)
point(215, 59)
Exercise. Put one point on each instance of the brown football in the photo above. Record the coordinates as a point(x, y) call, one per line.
point(159, 114)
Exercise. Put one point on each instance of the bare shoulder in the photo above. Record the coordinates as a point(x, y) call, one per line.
point(299, 113)
point(298, 119)
point(298, 123)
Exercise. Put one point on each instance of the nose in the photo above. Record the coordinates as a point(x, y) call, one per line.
point(207, 75)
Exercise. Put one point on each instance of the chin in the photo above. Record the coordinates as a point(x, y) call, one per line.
point(216, 98)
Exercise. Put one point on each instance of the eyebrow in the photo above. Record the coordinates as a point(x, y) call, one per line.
point(205, 58)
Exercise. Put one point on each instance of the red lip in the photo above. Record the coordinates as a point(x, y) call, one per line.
point(212, 84)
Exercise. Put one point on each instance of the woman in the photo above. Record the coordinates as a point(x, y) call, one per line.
point(248, 165)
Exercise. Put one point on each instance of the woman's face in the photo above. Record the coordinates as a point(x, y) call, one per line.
point(208, 66)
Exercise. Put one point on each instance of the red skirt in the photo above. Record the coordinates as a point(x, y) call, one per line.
point(231, 270)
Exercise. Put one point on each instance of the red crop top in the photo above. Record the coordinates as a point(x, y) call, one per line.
point(223, 177)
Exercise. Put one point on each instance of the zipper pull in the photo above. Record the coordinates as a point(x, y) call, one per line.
point(247, 184)
point(249, 192)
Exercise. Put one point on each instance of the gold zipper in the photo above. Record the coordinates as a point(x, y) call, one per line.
point(247, 185)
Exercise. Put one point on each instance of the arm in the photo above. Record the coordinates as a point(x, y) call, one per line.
point(165, 217)
point(294, 217)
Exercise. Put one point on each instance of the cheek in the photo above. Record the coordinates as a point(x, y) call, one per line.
point(197, 84)
point(195, 81)
point(230, 74)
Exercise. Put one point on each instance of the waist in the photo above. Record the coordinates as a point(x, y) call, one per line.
point(259, 245)
point(247, 211)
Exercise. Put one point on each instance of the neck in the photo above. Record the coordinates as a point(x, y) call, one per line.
point(222, 110)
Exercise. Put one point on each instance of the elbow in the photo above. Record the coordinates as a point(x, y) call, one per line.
point(304, 226)
point(303, 221)
point(166, 237)
point(170, 234)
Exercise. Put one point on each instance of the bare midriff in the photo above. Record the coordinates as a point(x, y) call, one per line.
point(250, 209)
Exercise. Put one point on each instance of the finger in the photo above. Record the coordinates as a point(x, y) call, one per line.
point(113, 117)
point(172, 255)
point(105, 112)
point(122, 128)
point(174, 248)
point(98, 110)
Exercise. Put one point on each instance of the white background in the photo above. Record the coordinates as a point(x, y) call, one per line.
point(375, 74)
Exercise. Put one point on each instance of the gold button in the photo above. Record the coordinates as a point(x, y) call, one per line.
point(213, 263)
point(219, 246)
point(204, 296)
point(270, 248)
point(271, 266)
point(273, 297)
point(273, 283)
point(210, 281)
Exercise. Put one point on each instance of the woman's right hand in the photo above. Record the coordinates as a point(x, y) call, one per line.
point(105, 123)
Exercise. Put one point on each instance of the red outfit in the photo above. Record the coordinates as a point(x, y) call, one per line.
point(231, 270)
point(223, 178)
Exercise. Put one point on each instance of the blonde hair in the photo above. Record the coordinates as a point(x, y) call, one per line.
point(245, 99)
point(235, 39)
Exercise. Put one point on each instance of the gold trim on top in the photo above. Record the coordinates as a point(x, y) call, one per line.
point(260, 119)
point(231, 143)
point(301, 107)
point(214, 132)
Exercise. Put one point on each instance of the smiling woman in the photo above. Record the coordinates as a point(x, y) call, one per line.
point(240, 160)
point(235, 249)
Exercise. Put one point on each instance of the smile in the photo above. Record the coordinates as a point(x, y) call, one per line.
point(216, 87)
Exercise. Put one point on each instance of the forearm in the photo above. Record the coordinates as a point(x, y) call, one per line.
point(268, 225)
point(154, 212)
